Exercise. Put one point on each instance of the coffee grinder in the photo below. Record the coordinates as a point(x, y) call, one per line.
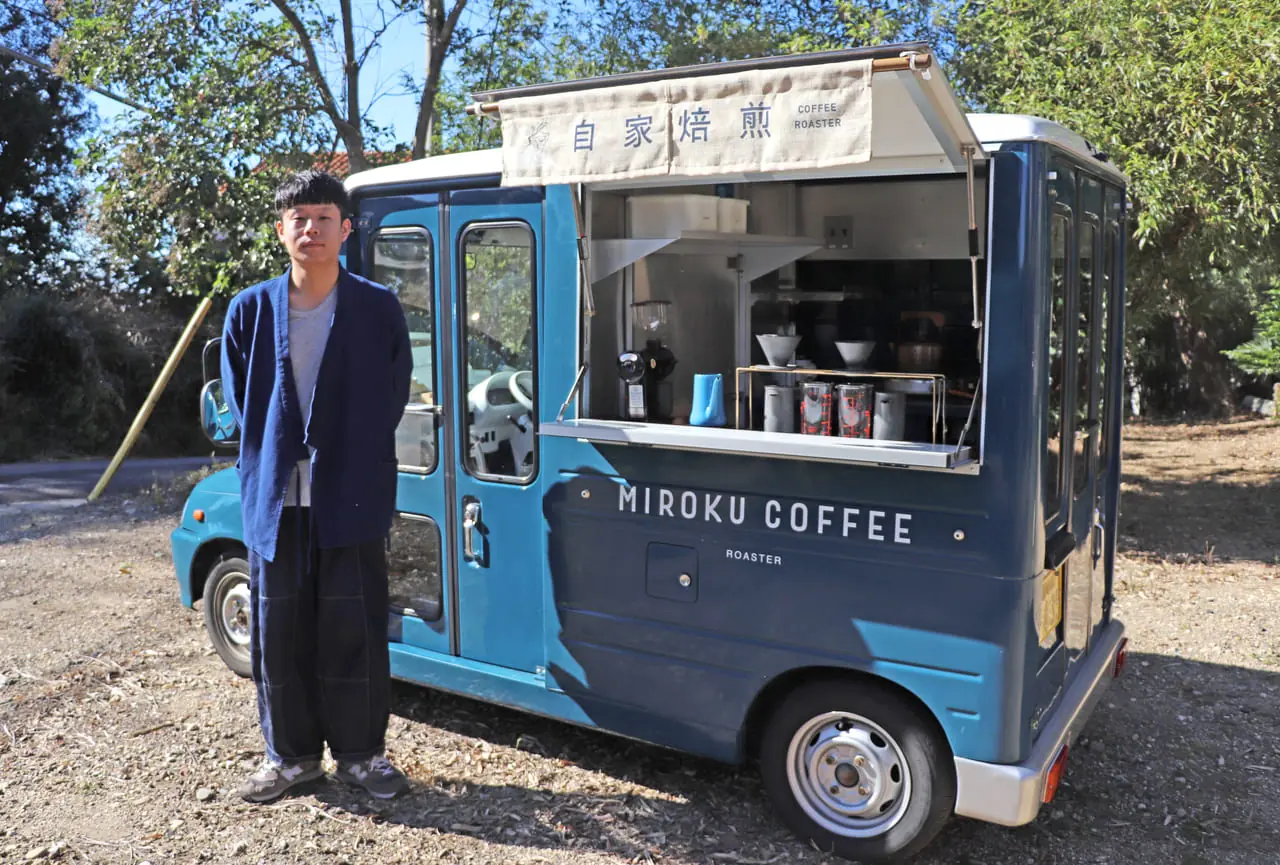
point(644, 373)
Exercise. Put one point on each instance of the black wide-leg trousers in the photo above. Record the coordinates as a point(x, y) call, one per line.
point(320, 657)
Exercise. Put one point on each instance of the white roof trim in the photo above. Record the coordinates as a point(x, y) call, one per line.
point(473, 163)
point(1010, 128)
point(990, 129)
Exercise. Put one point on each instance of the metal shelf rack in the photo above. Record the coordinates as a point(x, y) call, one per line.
point(937, 388)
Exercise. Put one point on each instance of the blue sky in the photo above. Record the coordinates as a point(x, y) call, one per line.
point(402, 51)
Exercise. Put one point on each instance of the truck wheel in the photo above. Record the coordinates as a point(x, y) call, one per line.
point(228, 613)
point(855, 769)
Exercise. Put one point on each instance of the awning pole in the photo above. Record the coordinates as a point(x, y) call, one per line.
point(588, 298)
point(140, 420)
point(584, 251)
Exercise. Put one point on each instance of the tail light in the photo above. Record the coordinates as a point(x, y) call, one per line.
point(1122, 656)
point(1056, 772)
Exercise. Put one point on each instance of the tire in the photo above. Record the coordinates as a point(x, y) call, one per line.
point(889, 806)
point(228, 613)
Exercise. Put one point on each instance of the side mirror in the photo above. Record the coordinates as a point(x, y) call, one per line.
point(215, 417)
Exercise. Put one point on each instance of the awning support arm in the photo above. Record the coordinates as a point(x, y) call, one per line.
point(584, 252)
point(973, 242)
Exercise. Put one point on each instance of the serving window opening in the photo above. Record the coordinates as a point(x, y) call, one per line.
point(829, 319)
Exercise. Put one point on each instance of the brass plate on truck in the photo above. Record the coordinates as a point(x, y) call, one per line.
point(1049, 606)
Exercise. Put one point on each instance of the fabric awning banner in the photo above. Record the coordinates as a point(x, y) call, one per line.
point(803, 118)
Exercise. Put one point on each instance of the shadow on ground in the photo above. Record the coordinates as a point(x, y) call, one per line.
point(1179, 763)
point(1216, 518)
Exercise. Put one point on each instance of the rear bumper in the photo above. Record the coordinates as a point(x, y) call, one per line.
point(1011, 794)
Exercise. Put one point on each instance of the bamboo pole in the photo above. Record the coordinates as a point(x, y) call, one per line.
point(908, 63)
point(161, 383)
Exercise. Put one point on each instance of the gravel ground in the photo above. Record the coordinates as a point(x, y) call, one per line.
point(122, 734)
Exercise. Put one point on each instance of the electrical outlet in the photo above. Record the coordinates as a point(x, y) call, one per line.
point(838, 232)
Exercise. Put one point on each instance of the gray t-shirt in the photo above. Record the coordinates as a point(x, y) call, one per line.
point(308, 334)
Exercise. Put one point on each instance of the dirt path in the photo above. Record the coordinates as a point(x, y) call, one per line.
point(122, 734)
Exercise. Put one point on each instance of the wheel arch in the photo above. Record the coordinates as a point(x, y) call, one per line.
point(776, 689)
point(207, 555)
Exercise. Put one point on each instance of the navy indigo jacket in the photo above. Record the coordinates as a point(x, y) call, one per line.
point(360, 396)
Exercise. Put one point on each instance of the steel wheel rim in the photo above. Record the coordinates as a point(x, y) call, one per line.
point(236, 610)
point(848, 775)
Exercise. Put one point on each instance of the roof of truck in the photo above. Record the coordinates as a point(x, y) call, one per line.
point(991, 129)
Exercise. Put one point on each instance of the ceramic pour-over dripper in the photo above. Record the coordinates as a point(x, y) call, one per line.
point(779, 350)
point(855, 354)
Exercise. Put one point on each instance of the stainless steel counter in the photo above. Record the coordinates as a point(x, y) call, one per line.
point(767, 444)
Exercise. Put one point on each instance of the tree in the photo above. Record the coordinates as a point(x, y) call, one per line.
point(1180, 96)
point(524, 44)
point(440, 30)
point(240, 93)
point(39, 201)
point(622, 35)
point(325, 51)
point(189, 182)
point(1261, 355)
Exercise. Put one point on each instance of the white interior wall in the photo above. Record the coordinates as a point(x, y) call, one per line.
point(899, 219)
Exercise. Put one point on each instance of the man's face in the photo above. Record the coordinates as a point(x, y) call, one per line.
point(313, 233)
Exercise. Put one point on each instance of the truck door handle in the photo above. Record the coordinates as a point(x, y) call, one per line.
point(470, 519)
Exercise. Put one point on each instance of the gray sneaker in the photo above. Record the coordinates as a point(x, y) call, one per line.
point(377, 776)
point(273, 780)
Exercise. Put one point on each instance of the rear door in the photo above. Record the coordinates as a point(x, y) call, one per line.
point(1086, 515)
point(1073, 446)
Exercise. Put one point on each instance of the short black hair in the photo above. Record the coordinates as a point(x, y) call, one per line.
point(313, 187)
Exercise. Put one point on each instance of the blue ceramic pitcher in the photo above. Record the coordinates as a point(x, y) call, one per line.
point(708, 400)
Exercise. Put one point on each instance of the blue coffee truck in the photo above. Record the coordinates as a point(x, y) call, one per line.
point(765, 410)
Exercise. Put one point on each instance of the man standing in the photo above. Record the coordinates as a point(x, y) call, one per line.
point(316, 367)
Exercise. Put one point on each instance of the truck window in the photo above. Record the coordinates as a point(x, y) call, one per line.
point(1084, 405)
point(402, 261)
point(413, 567)
point(1060, 242)
point(498, 349)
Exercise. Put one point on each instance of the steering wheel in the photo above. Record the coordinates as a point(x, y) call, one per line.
point(521, 386)
point(504, 394)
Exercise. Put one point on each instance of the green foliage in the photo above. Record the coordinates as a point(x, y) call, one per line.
point(514, 47)
point(38, 195)
point(1180, 94)
point(523, 43)
point(190, 184)
point(73, 372)
point(621, 35)
point(1176, 92)
point(498, 265)
point(1261, 355)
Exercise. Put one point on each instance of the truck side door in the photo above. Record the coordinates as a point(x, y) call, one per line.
point(401, 250)
point(495, 239)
